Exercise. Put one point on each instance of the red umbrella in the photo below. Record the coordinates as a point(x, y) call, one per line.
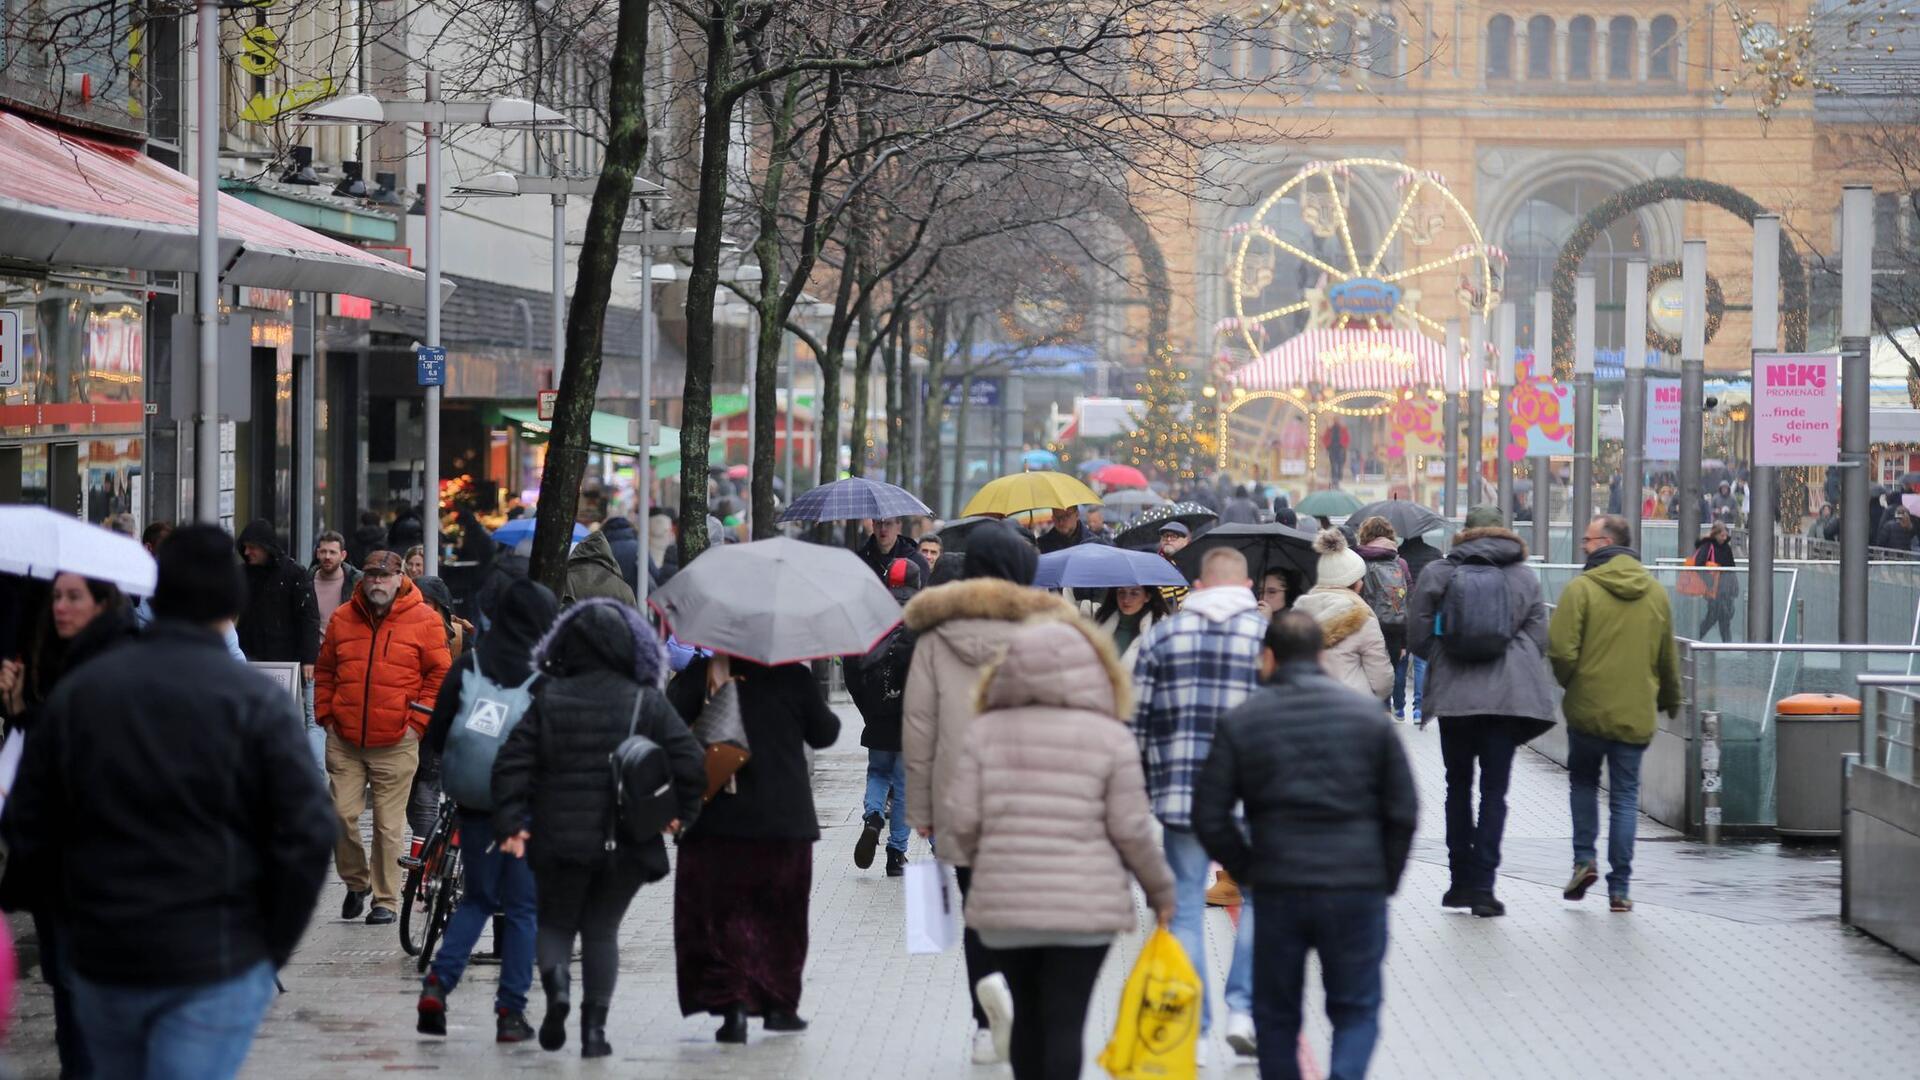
point(736, 472)
point(1119, 476)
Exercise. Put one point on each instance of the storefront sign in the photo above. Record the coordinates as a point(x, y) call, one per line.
point(266, 299)
point(1364, 298)
point(544, 404)
point(431, 361)
point(983, 393)
point(1796, 409)
point(1663, 420)
point(9, 348)
point(347, 306)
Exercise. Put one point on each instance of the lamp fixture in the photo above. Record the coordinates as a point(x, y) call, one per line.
point(352, 184)
point(385, 193)
point(300, 169)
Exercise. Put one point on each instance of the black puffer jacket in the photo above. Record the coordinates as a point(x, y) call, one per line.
point(1329, 799)
point(552, 777)
point(878, 684)
point(281, 620)
point(782, 711)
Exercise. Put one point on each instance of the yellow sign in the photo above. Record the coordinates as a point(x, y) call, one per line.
point(265, 110)
point(260, 51)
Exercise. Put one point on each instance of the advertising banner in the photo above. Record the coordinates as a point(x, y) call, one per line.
point(1663, 420)
point(1542, 415)
point(1796, 409)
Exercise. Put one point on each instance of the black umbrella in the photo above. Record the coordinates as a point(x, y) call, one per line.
point(953, 535)
point(1407, 518)
point(1909, 482)
point(1145, 533)
point(1267, 547)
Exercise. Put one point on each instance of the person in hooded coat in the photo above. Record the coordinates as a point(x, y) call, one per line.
point(1356, 650)
point(368, 536)
point(553, 799)
point(624, 540)
point(962, 627)
point(281, 620)
point(494, 881)
point(593, 571)
point(878, 682)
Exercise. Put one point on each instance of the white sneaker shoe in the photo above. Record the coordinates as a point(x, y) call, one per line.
point(1240, 1034)
point(1203, 1053)
point(984, 1052)
point(996, 1000)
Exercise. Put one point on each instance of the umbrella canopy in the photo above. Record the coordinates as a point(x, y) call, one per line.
point(1908, 482)
point(1267, 547)
point(1120, 476)
point(1145, 533)
point(510, 534)
point(1408, 519)
point(1101, 566)
point(1040, 459)
point(1133, 499)
point(777, 601)
point(953, 535)
point(737, 472)
point(854, 499)
point(1010, 495)
point(1097, 463)
point(1329, 503)
point(42, 543)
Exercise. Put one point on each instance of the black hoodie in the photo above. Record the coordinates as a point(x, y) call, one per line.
point(504, 655)
point(281, 620)
point(996, 551)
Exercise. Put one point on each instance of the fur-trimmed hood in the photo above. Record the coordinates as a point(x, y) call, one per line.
point(1057, 659)
point(1491, 544)
point(1341, 613)
point(979, 598)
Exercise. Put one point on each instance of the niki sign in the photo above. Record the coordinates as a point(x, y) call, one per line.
point(1796, 409)
point(1663, 420)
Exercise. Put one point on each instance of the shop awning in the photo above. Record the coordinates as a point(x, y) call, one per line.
point(608, 432)
point(72, 201)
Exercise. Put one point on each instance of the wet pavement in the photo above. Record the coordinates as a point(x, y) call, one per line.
point(1733, 965)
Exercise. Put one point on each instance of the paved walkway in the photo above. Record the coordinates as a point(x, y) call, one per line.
point(1733, 965)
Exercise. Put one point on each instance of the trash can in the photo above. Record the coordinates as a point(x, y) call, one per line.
point(1811, 733)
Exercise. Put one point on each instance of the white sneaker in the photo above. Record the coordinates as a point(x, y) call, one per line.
point(984, 1052)
point(996, 1000)
point(1240, 1034)
point(1202, 1054)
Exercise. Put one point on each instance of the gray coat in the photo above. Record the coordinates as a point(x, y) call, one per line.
point(1518, 684)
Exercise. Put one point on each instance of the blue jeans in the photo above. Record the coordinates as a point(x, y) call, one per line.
point(495, 881)
point(316, 735)
point(1349, 931)
point(160, 1033)
point(887, 775)
point(1190, 865)
point(1584, 754)
point(1240, 975)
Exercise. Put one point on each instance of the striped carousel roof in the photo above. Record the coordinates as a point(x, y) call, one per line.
point(1347, 360)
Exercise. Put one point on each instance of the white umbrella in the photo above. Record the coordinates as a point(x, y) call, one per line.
point(40, 543)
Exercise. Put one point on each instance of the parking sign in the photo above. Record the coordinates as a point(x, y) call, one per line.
point(9, 347)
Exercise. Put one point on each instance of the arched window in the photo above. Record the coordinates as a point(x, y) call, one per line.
point(1532, 241)
point(1260, 55)
point(1662, 42)
point(1221, 47)
point(1500, 47)
point(1540, 47)
point(1383, 46)
point(1580, 48)
point(1621, 32)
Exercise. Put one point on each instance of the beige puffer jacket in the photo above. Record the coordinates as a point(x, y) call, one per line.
point(1049, 803)
point(963, 628)
point(1355, 651)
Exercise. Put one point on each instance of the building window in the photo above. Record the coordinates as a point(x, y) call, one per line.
point(1540, 47)
point(1260, 56)
point(1532, 241)
point(1621, 32)
point(1383, 40)
point(1662, 41)
point(1580, 48)
point(1221, 47)
point(1500, 47)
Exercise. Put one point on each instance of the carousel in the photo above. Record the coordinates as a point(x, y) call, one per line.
point(1346, 282)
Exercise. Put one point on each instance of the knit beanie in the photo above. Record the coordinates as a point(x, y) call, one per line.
point(1339, 566)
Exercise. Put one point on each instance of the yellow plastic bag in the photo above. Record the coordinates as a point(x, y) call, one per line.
point(1159, 1026)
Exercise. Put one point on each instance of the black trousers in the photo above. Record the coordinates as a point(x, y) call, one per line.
point(1473, 846)
point(588, 901)
point(1051, 985)
point(981, 960)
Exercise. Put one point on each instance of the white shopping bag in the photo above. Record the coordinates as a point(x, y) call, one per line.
point(933, 924)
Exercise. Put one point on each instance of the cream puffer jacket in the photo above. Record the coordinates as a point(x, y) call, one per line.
point(1354, 650)
point(1049, 802)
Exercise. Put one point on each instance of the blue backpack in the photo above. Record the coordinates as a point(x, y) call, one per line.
point(489, 714)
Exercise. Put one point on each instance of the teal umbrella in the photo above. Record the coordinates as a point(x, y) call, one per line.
point(1329, 503)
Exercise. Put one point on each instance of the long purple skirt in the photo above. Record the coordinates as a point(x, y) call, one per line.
point(740, 923)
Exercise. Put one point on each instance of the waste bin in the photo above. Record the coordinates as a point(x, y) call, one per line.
point(1812, 732)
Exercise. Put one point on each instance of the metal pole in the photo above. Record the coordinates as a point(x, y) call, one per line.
point(1633, 408)
point(788, 354)
point(1710, 775)
point(1476, 376)
point(559, 286)
point(644, 510)
point(1450, 423)
point(303, 457)
point(206, 285)
point(1503, 414)
point(1582, 501)
point(1693, 349)
point(1766, 338)
point(753, 423)
point(430, 513)
point(1542, 465)
point(1856, 300)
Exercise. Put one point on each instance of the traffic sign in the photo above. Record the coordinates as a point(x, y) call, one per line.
point(432, 365)
point(545, 404)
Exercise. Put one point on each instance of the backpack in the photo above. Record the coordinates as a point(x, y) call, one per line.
point(1475, 619)
point(492, 711)
point(642, 778)
point(1385, 591)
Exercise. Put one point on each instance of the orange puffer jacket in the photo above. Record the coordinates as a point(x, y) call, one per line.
point(370, 671)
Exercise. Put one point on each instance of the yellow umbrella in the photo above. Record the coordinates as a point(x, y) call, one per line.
point(1029, 491)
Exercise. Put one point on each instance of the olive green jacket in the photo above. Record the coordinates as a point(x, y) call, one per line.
point(1611, 645)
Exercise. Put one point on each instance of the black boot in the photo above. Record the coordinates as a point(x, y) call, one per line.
point(733, 1026)
point(784, 1020)
point(896, 863)
point(593, 1031)
point(557, 982)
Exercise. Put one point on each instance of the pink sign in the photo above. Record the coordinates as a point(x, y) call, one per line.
point(1796, 409)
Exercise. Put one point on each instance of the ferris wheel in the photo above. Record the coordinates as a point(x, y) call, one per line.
point(1307, 260)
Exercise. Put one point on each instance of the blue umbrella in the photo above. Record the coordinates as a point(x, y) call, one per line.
point(855, 499)
point(510, 534)
point(1096, 463)
point(1040, 459)
point(1101, 566)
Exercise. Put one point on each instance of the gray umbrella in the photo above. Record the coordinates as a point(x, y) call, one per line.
point(1407, 518)
point(777, 601)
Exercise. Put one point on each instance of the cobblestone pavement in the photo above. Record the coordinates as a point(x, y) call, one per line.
point(1733, 965)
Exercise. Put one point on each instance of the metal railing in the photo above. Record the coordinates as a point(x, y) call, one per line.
point(1888, 706)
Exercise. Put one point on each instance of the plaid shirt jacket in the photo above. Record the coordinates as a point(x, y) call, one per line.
point(1190, 670)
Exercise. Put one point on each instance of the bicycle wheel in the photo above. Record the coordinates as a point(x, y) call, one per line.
point(416, 899)
point(446, 892)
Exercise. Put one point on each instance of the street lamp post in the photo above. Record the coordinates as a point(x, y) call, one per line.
point(206, 287)
point(1693, 352)
point(1542, 464)
point(1856, 307)
point(1633, 466)
point(1504, 332)
point(1476, 375)
point(1582, 503)
point(1760, 487)
point(1450, 422)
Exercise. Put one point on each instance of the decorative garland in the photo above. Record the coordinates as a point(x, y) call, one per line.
point(1716, 307)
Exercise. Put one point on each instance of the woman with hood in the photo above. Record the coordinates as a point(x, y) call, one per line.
point(1388, 583)
point(746, 869)
point(1356, 650)
point(1125, 615)
point(553, 799)
point(1048, 806)
point(494, 880)
point(962, 627)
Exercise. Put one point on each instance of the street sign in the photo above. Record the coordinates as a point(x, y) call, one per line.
point(1663, 420)
point(981, 393)
point(432, 365)
point(1796, 409)
point(9, 348)
point(545, 403)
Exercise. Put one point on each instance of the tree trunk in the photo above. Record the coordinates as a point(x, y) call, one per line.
point(960, 444)
point(772, 322)
point(890, 365)
point(933, 409)
point(862, 390)
point(593, 284)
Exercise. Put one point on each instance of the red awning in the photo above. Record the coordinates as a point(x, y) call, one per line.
point(71, 201)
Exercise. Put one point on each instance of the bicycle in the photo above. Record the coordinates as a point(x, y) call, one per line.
point(433, 888)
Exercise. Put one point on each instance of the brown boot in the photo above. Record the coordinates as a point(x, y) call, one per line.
point(1223, 892)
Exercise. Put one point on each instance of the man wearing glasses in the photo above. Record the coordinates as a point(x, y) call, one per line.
point(1612, 648)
